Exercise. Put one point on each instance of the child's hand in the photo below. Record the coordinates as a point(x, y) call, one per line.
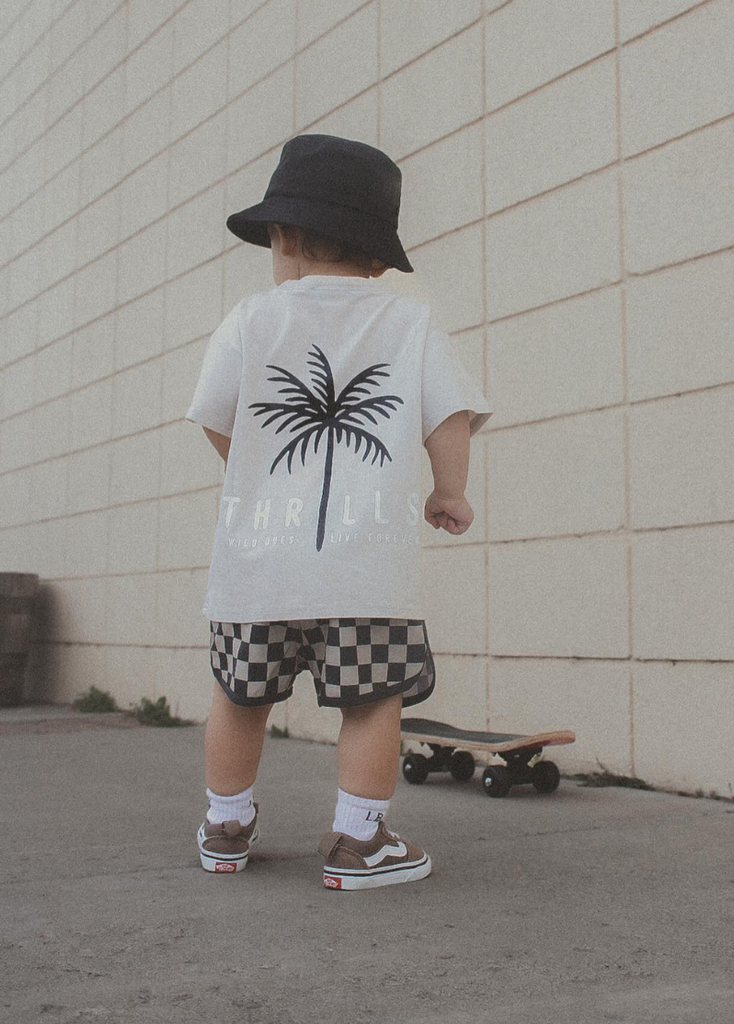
point(455, 515)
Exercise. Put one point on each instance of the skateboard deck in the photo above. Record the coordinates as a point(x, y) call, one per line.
point(452, 751)
point(425, 731)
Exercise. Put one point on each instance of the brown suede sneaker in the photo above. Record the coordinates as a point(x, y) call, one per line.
point(386, 859)
point(225, 847)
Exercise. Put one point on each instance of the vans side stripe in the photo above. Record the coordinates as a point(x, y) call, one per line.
point(387, 851)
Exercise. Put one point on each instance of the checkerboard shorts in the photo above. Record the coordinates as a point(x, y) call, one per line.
point(352, 661)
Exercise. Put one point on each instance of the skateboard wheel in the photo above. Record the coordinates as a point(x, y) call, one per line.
point(546, 777)
point(415, 768)
point(496, 780)
point(462, 765)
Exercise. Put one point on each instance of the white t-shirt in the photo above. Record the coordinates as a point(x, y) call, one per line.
point(328, 387)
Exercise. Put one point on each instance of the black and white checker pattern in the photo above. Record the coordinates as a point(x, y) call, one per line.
point(352, 661)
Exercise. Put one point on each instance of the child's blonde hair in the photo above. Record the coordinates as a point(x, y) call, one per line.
point(314, 245)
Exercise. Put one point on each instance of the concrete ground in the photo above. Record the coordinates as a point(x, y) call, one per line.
point(589, 905)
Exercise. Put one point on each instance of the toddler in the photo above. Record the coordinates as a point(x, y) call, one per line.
point(319, 394)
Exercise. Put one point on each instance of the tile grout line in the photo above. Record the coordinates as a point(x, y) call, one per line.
point(509, 426)
point(502, 541)
point(182, 71)
point(264, 78)
point(397, 71)
point(462, 330)
point(452, 654)
point(625, 405)
point(379, 73)
point(49, 28)
point(294, 122)
point(286, 711)
point(485, 373)
point(74, 290)
point(166, 239)
point(337, 24)
point(202, 192)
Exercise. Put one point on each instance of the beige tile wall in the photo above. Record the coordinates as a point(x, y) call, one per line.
point(568, 208)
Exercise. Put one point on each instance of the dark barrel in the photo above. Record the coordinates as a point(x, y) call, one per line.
point(18, 591)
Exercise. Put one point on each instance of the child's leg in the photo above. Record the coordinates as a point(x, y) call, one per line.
point(233, 744)
point(369, 748)
point(360, 851)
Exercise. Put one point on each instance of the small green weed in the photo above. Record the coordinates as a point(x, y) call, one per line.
point(607, 778)
point(95, 701)
point(156, 713)
point(147, 712)
point(712, 795)
point(279, 734)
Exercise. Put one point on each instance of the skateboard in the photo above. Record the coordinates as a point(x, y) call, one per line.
point(452, 752)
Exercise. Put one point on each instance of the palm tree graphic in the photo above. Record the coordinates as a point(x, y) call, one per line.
point(318, 411)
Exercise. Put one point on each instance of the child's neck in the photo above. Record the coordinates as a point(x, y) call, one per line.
point(299, 269)
point(328, 270)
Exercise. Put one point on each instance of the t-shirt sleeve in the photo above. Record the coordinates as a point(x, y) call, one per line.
point(447, 385)
point(215, 399)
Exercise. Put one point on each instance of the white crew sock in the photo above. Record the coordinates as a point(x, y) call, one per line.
point(358, 816)
point(226, 808)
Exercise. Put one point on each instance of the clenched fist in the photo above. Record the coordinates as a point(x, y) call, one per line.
point(455, 515)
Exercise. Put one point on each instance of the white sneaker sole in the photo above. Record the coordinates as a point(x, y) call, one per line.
point(223, 863)
point(354, 878)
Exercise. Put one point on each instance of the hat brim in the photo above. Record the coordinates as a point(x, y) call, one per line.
point(336, 221)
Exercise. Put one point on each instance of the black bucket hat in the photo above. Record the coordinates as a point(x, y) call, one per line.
point(342, 188)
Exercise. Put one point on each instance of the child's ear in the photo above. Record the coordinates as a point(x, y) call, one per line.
point(285, 237)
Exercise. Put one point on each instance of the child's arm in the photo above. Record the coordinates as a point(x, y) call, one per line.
point(220, 441)
point(448, 450)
